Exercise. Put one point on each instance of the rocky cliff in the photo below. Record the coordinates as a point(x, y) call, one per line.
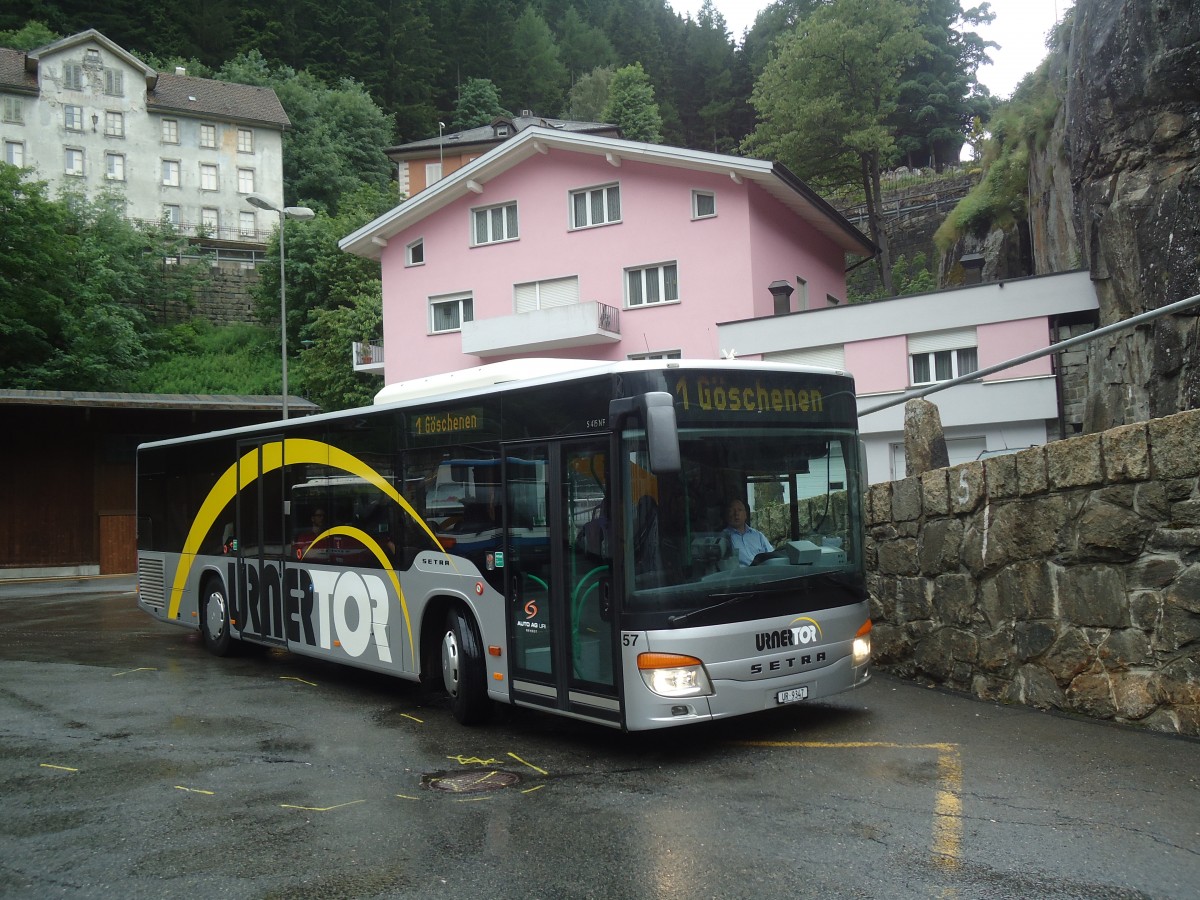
point(1115, 188)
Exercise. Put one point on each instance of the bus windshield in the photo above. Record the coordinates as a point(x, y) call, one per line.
point(752, 512)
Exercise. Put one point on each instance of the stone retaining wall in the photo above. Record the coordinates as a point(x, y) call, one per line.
point(1064, 577)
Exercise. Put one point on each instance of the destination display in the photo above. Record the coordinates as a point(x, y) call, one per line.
point(753, 396)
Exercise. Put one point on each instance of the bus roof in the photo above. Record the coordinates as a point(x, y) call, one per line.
point(492, 377)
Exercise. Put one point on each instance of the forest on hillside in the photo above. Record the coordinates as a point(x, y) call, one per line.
point(837, 90)
point(413, 57)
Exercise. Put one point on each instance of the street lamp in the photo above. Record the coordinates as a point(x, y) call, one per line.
point(288, 212)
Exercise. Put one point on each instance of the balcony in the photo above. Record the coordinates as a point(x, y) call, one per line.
point(367, 357)
point(555, 328)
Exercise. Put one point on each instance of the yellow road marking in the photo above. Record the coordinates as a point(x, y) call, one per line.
point(294, 678)
point(536, 787)
point(405, 797)
point(180, 787)
point(469, 760)
point(945, 843)
point(531, 765)
point(319, 808)
point(60, 768)
point(414, 718)
point(139, 669)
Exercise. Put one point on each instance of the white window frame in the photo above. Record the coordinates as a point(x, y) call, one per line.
point(464, 304)
point(14, 153)
point(245, 181)
point(171, 174)
point(433, 173)
point(801, 293)
point(73, 76)
point(247, 224)
point(955, 359)
point(696, 213)
point(114, 123)
point(957, 350)
point(489, 216)
point(14, 111)
point(73, 161)
point(414, 253)
point(245, 140)
point(171, 214)
point(591, 207)
point(210, 178)
point(114, 166)
point(72, 117)
point(661, 285)
point(208, 136)
point(170, 131)
point(210, 220)
point(114, 82)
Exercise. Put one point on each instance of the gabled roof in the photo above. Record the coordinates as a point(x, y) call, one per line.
point(485, 135)
point(774, 178)
point(165, 92)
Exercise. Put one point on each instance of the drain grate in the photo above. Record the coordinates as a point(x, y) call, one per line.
point(476, 782)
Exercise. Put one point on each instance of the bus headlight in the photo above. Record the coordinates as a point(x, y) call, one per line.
point(674, 675)
point(861, 651)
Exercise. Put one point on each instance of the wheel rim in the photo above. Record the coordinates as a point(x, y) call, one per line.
point(450, 663)
point(215, 615)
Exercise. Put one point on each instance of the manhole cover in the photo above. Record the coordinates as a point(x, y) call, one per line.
point(470, 782)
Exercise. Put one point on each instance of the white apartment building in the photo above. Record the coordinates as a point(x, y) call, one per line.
point(83, 114)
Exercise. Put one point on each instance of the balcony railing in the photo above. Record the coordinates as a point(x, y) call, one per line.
point(367, 357)
point(555, 328)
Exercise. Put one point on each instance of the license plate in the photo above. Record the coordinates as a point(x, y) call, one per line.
point(792, 695)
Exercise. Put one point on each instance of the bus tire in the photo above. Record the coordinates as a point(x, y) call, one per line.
point(463, 669)
point(214, 618)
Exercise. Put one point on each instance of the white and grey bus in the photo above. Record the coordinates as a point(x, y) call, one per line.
point(555, 541)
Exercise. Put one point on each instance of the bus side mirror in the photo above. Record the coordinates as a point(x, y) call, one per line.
point(657, 410)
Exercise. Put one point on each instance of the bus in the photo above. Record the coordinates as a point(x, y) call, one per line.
point(551, 538)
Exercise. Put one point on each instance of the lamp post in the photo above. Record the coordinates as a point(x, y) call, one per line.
point(287, 212)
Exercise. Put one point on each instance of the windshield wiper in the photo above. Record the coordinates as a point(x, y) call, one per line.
point(726, 600)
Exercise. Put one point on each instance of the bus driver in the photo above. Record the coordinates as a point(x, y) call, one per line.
point(747, 542)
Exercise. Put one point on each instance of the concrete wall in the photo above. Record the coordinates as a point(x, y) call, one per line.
point(1063, 577)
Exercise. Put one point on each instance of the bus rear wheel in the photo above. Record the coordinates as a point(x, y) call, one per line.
point(463, 669)
point(214, 619)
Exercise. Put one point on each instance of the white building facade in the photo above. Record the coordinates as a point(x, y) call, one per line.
point(88, 117)
point(908, 343)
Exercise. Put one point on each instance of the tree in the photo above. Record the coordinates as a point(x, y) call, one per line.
point(939, 93)
point(76, 283)
point(322, 283)
point(583, 47)
point(631, 105)
point(478, 104)
point(589, 95)
point(337, 137)
point(540, 79)
point(826, 101)
point(29, 37)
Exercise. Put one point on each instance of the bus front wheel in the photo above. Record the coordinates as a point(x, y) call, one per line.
point(463, 669)
point(214, 620)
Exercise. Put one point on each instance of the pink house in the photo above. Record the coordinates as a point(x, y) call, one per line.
point(585, 246)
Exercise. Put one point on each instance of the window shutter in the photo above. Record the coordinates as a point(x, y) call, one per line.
point(831, 357)
point(934, 341)
point(545, 294)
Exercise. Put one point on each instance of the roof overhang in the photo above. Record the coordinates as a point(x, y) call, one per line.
point(774, 178)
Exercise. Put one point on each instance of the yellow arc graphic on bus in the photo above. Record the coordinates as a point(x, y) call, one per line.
point(815, 623)
point(246, 470)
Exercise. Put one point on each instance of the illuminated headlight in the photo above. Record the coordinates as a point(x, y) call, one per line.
point(861, 650)
point(674, 675)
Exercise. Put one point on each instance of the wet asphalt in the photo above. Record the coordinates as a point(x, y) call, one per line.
point(135, 765)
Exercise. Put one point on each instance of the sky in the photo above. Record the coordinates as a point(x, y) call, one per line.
point(1020, 28)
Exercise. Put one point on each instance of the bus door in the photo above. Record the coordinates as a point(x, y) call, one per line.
point(559, 579)
point(257, 597)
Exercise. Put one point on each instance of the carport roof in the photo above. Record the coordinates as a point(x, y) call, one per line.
point(94, 399)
